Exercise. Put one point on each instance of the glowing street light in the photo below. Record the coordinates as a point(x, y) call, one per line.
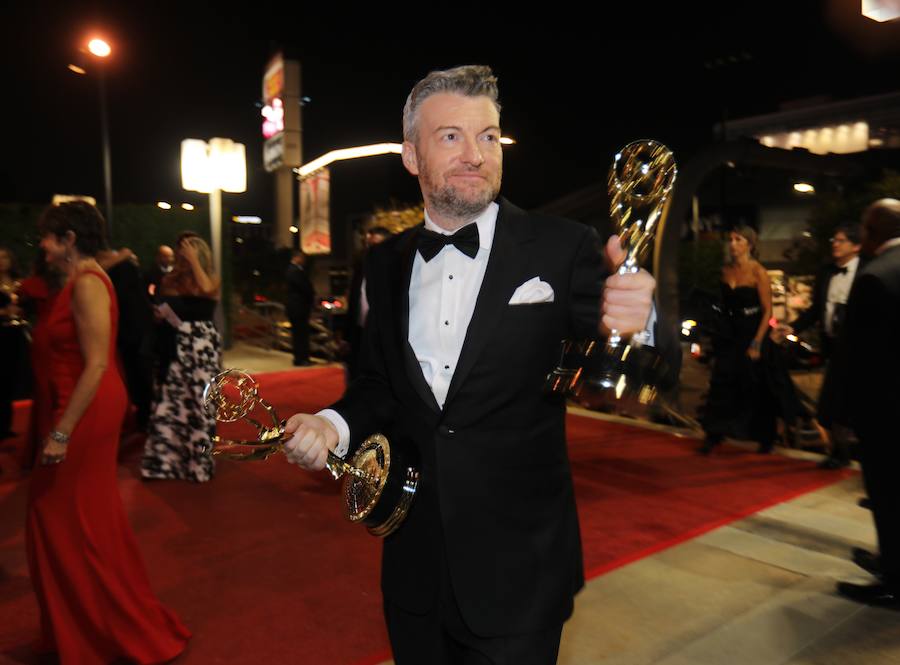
point(211, 168)
point(99, 48)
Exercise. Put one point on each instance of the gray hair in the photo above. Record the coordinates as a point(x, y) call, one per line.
point(468, 80)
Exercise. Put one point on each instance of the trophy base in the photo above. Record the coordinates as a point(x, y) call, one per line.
point(626, 383)
point(381, 501)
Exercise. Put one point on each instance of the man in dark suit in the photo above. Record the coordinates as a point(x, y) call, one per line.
point(830, 293)
point(869, 356)
point(300, 296)
point(465, 319)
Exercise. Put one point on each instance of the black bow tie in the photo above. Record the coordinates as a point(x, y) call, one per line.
point(465, 240)
point(840, 271)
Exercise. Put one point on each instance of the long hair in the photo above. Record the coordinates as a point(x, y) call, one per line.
point(204, 253)
point(182, 277)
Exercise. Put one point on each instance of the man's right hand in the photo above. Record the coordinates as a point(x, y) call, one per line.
point(313, 436)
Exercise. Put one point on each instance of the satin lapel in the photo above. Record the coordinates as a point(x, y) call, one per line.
point(402, 273)
point(506, 264)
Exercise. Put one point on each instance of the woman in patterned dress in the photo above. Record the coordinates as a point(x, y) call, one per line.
point(180, 430)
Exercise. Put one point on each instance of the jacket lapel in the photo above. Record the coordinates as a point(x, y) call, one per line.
point(506, 264)
point(400, 278)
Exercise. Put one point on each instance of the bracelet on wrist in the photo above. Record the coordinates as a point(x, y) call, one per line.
point(59, 437)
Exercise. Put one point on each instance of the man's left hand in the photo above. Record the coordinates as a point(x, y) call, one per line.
point(627, 299)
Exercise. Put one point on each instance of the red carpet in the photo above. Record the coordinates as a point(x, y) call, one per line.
point(262, 566)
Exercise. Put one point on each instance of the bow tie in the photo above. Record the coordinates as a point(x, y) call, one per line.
point(465, 240)
point(840, 271)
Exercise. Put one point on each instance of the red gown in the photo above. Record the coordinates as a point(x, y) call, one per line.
point(95, 599)
point(36, 290)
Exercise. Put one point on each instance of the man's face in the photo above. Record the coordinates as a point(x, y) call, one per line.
point(373, 239)
point(457, 155)
point(842, 249)
point(165, 257)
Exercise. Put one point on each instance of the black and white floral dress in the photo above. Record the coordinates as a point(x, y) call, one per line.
point(179, 435)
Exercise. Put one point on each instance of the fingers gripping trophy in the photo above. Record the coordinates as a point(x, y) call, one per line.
point(594, 373)
point(378, 484)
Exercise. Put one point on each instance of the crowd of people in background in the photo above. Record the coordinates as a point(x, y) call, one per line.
point(167, 348)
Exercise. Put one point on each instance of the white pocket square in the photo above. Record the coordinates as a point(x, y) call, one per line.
point(532, 291)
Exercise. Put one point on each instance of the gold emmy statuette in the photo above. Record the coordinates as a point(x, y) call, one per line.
point(378, 485)
point(597, 373)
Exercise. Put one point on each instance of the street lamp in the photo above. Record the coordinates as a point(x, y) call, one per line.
point(211, 168)
point(101, 50)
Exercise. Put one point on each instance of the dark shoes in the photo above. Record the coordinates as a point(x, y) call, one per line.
point(878, 595)
point(833, 463)
point(869, 562)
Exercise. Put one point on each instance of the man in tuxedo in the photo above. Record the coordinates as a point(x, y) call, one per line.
point(300, 296)
point(830, 293)
point(869, 357)
point(466, 314)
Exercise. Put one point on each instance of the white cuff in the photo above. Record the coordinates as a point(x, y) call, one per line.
point(646, 337)
point(343, 429)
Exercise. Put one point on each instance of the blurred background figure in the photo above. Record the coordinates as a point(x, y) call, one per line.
point(750, 385)
point(867, 366)
point(12, 340)
point(299, 303)
point(180, 430)
point(95, 600)
point(357, 304)
point(37, 293)
point(162, 266)
point(135, 337)
point(830, 293)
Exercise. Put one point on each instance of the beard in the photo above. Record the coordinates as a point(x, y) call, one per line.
point(449, 201)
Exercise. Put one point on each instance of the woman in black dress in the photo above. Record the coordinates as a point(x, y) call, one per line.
point(750, 385)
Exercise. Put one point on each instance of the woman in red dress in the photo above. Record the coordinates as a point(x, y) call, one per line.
point(95, 599)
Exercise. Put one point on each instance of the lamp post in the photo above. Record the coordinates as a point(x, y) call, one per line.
point(101, 50)
point(211, 168)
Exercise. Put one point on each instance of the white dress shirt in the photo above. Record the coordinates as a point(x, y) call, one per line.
point(442, 296)
point(838, 292)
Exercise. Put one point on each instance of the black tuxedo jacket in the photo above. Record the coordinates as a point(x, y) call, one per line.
point(815, 314)
point(495, 500)
point(869, 352)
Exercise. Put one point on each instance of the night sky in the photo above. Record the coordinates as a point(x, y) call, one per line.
point(196, 71)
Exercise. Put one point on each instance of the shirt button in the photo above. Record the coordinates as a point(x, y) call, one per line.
point(451, 276)
point(446, 323)
point(446, 366)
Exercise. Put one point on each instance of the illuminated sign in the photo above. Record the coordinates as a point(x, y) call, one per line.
point(281, 113)
point(273, 114)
